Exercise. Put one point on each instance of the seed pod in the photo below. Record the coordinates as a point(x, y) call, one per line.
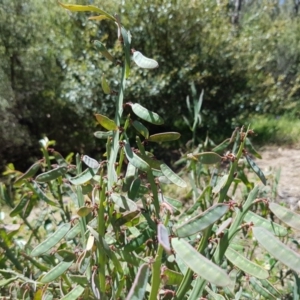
point(143, 61)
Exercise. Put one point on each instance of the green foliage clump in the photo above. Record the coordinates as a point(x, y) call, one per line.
point(111, 231)
point(52, 80)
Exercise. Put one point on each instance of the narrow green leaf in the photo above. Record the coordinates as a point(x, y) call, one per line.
point(106, 123)
point(270, 287)
point(277, 249)
point(208, 158)
point(246, 265)
point(79, 279)
point(4, 282)
point(126, 36)
point(222, 147)
point(103, 134)
point(52, 174)
point(66, 254)
point(30, 172)
point(146, 114)
point(256, 170)
point(73, 7)
point(105, 85)
point(221, 182)
point(214, 295)
point(141, 129)
point(138, 289)
point(259, 221)
point(20, 206)
point(251, 149)
point(200, 264)
point(73, 232)
point(42, 196)
point(287, 216)
point(143, 61)
point(135, 160)
point(173, 177)
point(100, 46)
point(261, 290)
point(52, 240)
point(202, 221)
point(56, 271)
point(138, 241)
point(163, 237)
point(134, 188)
point(124, 202)
point(164, 137)
point(74, 294)
point(127, 217)
point(84, 177)
point(60, 159)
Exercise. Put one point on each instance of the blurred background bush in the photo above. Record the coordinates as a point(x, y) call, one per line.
point(243, 54)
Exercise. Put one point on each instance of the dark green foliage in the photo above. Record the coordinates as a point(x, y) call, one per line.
point(51, 80)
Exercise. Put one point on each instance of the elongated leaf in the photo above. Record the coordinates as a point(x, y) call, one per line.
point(52, 240)
point(56, 271)
point(143, 61)
point(20, 206)
point(277, 249)
point(126, 36)
point(257, 170)
point(52, 174)
point(146, 114)
point(163, 237)
point(251, 149)
point(74, 294)
point(42, 196)
point(202, 221)
point(259, 221)
point(106, 122)
point(208, 158)
point(84, 177)
point(246, 265)
point(173, 177)
point(100, 46)
point(30, 172)
point(164, 137)
point(105, 85)
point(285, 215)
point(222, 147)
point(200, 264)
point(124, 202)
point(221, 182)
point(141, 128)
point(73, 7)
point(138, 289)
point(135, 160)
point(103, 134)
point(261, 290)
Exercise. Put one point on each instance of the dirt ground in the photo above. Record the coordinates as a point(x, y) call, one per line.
point(288, 159)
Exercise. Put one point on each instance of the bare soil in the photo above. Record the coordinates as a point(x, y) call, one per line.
point(288, 160)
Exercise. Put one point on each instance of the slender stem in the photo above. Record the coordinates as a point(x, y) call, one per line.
point(112, 175)
point(155, 279)
point(101, 231)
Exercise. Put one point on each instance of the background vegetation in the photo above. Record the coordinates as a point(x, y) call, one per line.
point(246, 61)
